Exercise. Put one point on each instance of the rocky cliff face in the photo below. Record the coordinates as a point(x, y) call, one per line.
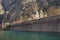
point(14, 8)
point(49, 2)
point(1, 10)
point(8, 3)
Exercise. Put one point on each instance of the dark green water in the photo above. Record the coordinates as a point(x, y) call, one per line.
point(11, 35)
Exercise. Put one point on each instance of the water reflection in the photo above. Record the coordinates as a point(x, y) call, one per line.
point(12, 35)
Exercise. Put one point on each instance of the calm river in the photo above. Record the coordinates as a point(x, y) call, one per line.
point(12, 35)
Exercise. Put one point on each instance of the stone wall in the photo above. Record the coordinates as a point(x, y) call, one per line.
point(50, 24)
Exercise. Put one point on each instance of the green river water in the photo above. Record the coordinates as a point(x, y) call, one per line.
point(14, 35)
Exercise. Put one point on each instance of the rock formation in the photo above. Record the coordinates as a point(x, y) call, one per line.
point(25, 10)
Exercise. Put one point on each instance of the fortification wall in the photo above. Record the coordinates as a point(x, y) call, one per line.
point(50, 24)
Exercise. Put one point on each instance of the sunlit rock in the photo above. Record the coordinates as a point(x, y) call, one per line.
point(1, 10)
